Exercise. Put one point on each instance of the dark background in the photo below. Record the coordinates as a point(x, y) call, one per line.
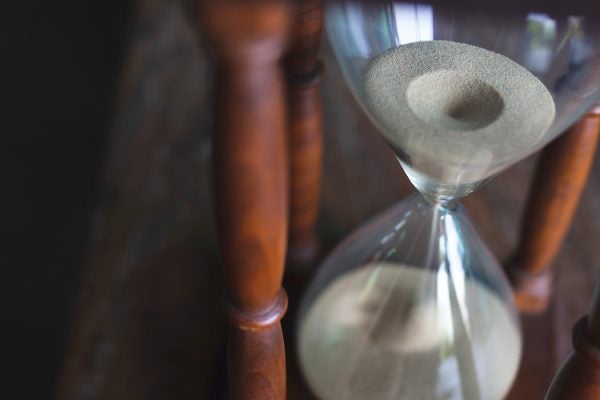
point(60, 63)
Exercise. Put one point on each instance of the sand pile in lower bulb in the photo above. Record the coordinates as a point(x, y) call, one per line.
point(379, 333)
point(456, 112)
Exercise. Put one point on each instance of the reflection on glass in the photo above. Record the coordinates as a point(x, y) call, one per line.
point(414, 22)
point(541, 32)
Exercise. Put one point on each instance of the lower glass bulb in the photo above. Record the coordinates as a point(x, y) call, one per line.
point(411, 306)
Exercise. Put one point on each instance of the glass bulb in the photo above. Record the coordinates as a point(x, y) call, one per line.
point(410, 306)
point(462, 93)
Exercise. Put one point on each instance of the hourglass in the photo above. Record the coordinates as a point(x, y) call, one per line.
point(413, 305)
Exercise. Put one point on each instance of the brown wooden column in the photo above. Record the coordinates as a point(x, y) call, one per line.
point(306, 133)
point(251, 176)
point(579, 376)
point(560, 178)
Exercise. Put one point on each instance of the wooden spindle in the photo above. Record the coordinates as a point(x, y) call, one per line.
point(306, 133)
point(579, 376)
point(560, 178)
point(250, 161)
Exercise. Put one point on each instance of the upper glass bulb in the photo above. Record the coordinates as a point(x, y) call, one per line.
point(461, 94)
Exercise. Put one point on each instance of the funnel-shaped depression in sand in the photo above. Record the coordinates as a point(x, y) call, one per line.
point(455, 113)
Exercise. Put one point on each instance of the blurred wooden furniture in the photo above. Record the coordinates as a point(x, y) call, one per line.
point(251, 177)
point(561, 175)
point(304, 71)
point(251, 174)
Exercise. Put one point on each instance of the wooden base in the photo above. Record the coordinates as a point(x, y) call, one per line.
point(532, 292)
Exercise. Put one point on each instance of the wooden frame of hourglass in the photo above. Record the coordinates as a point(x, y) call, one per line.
point(254, 330)
point(255, 325)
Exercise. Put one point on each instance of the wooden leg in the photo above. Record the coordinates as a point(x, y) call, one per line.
point(251, 187)
point(306, 134)
point(256, 361)
point(579, 376)
point(561, 175)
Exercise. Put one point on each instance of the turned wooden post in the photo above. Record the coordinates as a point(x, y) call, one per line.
point(579, 376)
point(559, 181)
point(304, 72)
point(250, 161)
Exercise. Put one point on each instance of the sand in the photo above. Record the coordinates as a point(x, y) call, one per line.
point(372, 334)
point(456, 113)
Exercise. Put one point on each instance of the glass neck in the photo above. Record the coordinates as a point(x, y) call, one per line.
point(442, 202)
point(436, 192)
